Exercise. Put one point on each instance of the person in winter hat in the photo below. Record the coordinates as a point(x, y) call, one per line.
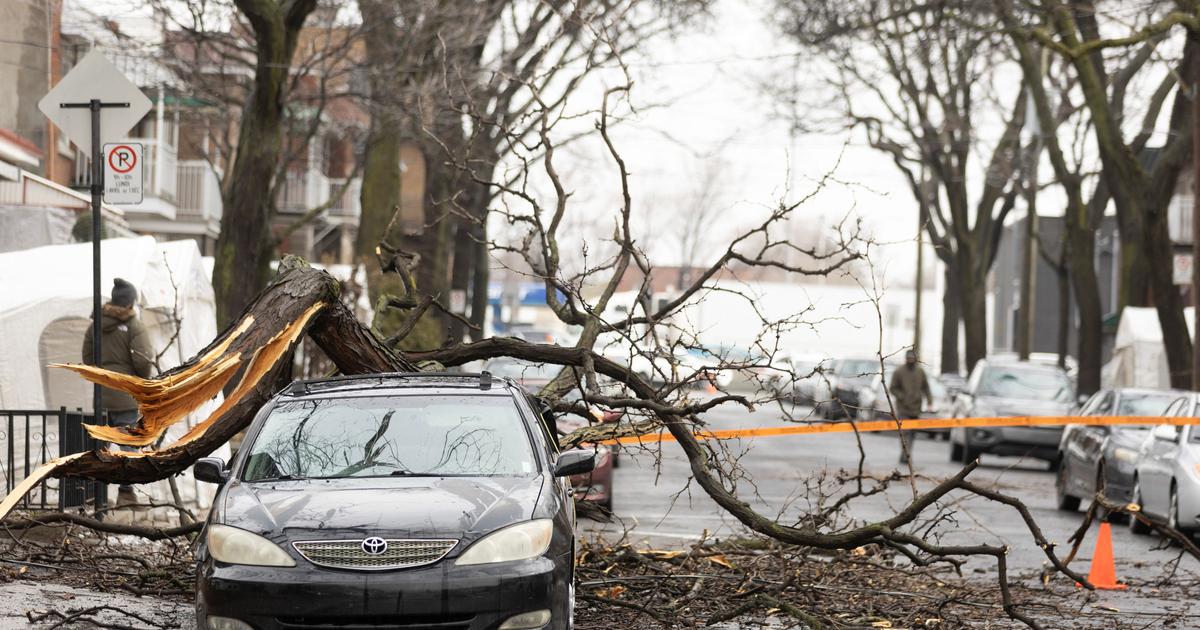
point(125, 348)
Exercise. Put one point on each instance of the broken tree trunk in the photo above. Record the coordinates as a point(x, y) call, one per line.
point(258, 347)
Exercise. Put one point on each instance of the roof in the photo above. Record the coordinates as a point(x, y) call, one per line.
point(397, 380)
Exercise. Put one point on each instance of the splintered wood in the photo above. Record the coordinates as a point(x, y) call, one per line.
point(164, 401)
point(256, 352)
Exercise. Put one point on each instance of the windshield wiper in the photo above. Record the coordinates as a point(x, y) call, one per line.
point(283, 478)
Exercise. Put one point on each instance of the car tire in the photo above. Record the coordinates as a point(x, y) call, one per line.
point(1135, 524)
point(1064, 500)
point(956, 452)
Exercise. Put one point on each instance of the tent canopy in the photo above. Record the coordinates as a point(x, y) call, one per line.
point(1139, 358)
point(46, 304)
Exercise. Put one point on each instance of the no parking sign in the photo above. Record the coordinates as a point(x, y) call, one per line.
point(123, 172)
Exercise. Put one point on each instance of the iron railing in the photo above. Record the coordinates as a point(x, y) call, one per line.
point(30, 438)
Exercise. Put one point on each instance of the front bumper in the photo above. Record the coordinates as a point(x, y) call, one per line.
point(442, 595)
point(1038, 442)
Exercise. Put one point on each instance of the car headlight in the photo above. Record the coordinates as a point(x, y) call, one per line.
point(238, 546)
point(516, 542)
point(1125, 455)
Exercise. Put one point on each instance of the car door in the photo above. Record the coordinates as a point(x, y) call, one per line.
point(1154, 471)
point(1086, 445)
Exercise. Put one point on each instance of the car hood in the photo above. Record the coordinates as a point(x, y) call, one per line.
point(432, 507)
point(1020, 407)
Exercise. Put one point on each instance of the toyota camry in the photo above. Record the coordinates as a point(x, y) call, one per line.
point(392, 501)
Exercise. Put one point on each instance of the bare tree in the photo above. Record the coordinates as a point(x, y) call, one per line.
point(921, 87)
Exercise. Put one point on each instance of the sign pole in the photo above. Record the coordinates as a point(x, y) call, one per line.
point(97, 232)
point(94, 106)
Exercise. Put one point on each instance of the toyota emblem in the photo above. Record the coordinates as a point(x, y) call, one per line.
point(374, 546)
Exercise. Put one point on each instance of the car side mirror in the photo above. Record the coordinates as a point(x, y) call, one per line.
point(574, 462)
point(211, 470)
point(1166, 432)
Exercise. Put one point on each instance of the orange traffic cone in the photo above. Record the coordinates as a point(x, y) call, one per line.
point(1104, 569)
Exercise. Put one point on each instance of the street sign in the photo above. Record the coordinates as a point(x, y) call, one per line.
point(1181, 270)
point(458, 301)
point(123, 172)
point(94, 77)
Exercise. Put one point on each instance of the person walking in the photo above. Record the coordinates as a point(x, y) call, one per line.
point(909, 385)
point(125, 348)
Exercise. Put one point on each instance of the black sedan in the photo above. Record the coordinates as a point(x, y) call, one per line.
point(397, 501)
point(1095, 456)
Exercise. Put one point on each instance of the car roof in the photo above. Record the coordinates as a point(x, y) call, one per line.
point(1178, 393)
point(431, 382)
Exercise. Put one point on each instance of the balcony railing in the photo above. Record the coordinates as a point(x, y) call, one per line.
point(199, 192)
point(348, 205)
point(302, 191)
point(154, 152)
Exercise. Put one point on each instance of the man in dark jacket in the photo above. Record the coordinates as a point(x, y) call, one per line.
point(909, 385)
point(125, 348)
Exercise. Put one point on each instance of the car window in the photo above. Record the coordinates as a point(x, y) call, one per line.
point(372, 436)
point(1105, 407)
point(1025, 382)
point(853, 368)
point(1089, 407)
point(1143, 404)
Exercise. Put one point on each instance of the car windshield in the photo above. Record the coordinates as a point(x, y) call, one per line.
point(379, 436)
point(1144, 404)
point(1025, 382)
point(857, 368)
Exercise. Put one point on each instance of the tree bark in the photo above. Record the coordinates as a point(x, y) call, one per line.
point(244, 246)
point(951, 317)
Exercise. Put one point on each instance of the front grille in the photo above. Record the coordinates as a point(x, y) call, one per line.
point(401, 553)
point(406, 622)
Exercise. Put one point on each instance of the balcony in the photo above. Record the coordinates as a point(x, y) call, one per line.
point(303, 191)
point(199, 192)
point(159, 169)
point(348, 205)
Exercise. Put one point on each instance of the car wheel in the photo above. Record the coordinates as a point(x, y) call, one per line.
point(956, 452)
point(1135, 524)
point(1065, 501)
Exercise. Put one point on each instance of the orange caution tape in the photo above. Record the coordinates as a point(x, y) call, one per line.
point(911, 425)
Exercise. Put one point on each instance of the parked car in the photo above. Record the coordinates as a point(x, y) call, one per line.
point(1000, 387)
point(1101, 456)
point(795, 377)
point(837, 392)
point(874, 400)
point(532, 376)
point(954, 383)
point(596, 485)
point(372, 501)
point(1167, 482)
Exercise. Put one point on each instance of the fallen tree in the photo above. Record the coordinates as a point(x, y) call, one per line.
point(257, 348)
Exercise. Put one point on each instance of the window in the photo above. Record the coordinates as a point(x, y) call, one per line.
point(380, 436)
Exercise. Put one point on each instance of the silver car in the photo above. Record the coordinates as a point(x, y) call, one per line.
point(1003, 387)
point(1167, 484)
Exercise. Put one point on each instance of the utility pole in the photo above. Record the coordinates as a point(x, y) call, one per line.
point(1028, 291)
point(922, 217)
point(1195, 234)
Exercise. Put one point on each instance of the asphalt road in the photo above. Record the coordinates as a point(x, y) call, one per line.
point(655, 504)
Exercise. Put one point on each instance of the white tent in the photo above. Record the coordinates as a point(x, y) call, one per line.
point(1139, 358)
point(46, 305)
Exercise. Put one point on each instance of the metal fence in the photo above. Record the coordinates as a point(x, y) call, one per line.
point(30, 438)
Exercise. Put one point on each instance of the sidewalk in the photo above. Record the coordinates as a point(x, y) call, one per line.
point(19, 597)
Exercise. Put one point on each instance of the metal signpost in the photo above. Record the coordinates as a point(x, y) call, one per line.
point(77, 106)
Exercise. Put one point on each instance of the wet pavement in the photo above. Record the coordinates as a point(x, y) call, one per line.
point(655, 505)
